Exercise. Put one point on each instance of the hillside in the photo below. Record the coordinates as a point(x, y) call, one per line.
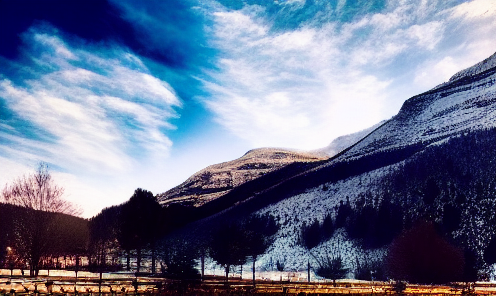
point(433, 161)
point(441, 139)
point(219, 179)
point(341, 143)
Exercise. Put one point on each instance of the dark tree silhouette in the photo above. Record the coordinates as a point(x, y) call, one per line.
point(451, 217)
point(329, 261)
point(280, 264)
point(328, 227)
point(344, 211)
point(362, 224)
point(140, 224)
point(470, 270)
point(421, 255)
point(258, 232)
point(69, 236)
point(490, 252)
point(369, 269)
point(311, 235)
point(104, 232)
point(37, 192)
point(431, 192)
point(229, 247)
point(7, 215)
point(179, 259)
point(331, 268)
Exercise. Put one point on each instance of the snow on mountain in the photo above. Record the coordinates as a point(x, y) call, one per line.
point(362, 163)
point(478, 68)
point(466, 103)
point(292, 213)
point(343, 142)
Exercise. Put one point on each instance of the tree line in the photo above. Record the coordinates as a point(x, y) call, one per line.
point(39, 228)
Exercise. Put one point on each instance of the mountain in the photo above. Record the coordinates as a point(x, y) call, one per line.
point(219, 179)
point(434, 161)
point(441, 141)
point(341, 143)
point(478, 68)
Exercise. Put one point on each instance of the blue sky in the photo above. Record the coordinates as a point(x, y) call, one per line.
point(117, 95)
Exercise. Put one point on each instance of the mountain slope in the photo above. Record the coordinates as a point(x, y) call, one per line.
point(459, 105)
point(440, 141)
point(478, 68)
point(419, 146)
point(341, 143)
point(219, 179)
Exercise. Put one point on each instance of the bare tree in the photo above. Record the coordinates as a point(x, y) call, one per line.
point(39, 192)
point(38, 198)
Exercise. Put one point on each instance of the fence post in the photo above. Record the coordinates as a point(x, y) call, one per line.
point(308, 270)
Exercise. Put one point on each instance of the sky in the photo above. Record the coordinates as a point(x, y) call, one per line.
point(116, 95)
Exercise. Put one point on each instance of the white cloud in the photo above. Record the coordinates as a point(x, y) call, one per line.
point(92, 109)
point(427, 35)
point(443, 69)
point(302, 88)
point(104, 116)
point(475, 9)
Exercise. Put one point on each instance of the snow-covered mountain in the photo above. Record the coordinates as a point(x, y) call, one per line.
point(343, 142)
point(434, 160)
point(436, 120)
point(478, 68)
point(217, 180)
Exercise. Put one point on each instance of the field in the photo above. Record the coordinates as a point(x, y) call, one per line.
point(63, 283)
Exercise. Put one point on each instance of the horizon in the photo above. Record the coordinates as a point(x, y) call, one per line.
point(118, 95)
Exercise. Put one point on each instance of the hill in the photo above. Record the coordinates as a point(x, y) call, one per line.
point(219, 179)
point(433, 161)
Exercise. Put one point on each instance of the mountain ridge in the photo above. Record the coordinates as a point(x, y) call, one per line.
point(217, 180)
point(437, 120)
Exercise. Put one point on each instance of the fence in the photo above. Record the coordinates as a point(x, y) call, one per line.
point(126, 284)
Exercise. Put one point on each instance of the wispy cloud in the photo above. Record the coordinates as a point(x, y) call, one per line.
point(301, 88)
point(103, 112)
point(97, 108)
point(102, 109)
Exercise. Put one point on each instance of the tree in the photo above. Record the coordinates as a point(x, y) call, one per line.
point(7, 230)
point(328, 227)
point(228, 246)
point(39, 193)
point(104, 231)
point(369, 267)
point(344, 211)
point(421, 255)
point(451, 217)
point(331, 268)
point(311, 234)
point(490, 252)
point(140, 224)
point(259, 233)
point(330, 263)
point(179, 259)
point(431, 192)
